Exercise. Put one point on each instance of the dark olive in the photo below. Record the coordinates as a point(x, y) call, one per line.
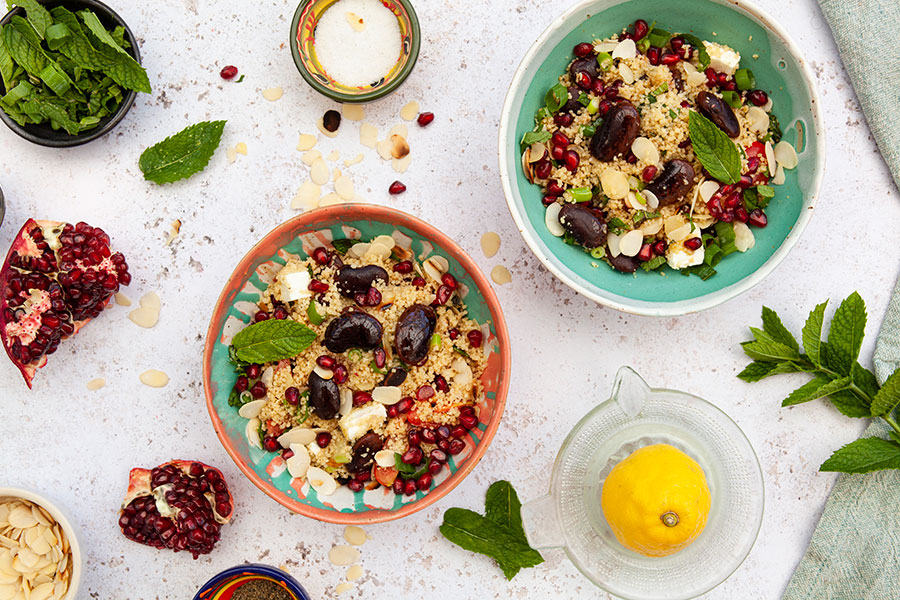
point(331, 121)
point(324, 396)
point(413, 336)
point(396, 377)
point(587, 64)
point(587, 229)
point(353, 330)
point(615, 135)
point(673, 183)
point(352, 281)
point(625, 264)
point(364, 452)
point(717, 110)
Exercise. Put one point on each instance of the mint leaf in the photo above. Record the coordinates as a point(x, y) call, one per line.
point(759, 370)
point(531, 137)
point(775, 328)
point(23, 46)
point(50, 109)
point(7, 66)
point(502, 506)
point(812, 333)
point(850, 405)
point(702, 54)
point(37, 15)
point(888, 397)
point(77, 47)
point(123, 69)
point(863, 456)
point(183, 154)
point(272, 340)
point(714, 149)
point(341, 246)
point(848, 326)
point(769, 351)
point(864, 379)
point(819, 387)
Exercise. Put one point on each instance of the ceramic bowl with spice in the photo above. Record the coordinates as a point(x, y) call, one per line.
point(44, 134)
point(308, 235)
point(252, 582)
point(355, 50)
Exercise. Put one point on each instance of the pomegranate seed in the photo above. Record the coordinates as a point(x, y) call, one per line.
point(693, 243)
point(475, 337)
point(726, 189)
point(380, 357)
point(355, 486)
point(318, 287)
point(425, 392)
point(443, 445)
point(721, 78)
point(258, 390)
point(360, 398)
point(557, 152)
point(758, 218)
point(440, 383)
point(458, 431)
point(405, 405)
point(373, 297)
point(605, 105)
point(559, 139)
point(740, 214)
point(562, 119)
point(467, 410)
point(733, 200)
point(584, 80)
point(682, 53)
point(745, 182)
point(320, 255)
point(363, 476)
point(468, 421)
point(542, 169)
point(443, 295)
point(677, 43)
point(435, 467)
point(669, 58)
point(393, 411)
point(438, 456)
point(631, 158)
point(413, 456)
point(397, 486)
point(648, 173)
point(253, 371)
point(425, 119)
point(752, 164)
point(287, 453)
point(396, 188)
point(653, 54)
point(280, 313)
point(409, 488)
point(403, 267)
point(453, 333)
point(457, 446)
point(292, 395)
point(449, 280)
point(428, 436)
point(260, 316)
point(241, 384)
point(641, 29)
point(727, 216)
point(424, 482)
point(583, 49)
point(414, 437)
point(326, 362)
point(271, 444)
point(598, 87)
point(645, 253)
point(323, 439)
point(228, 72)
point(729, 86)
point(340, 374)
point(659, 248)
point(418, 282)
point(554, 188)
point(572, 159)
point(757, 97)
point(443, 432)
point(711, 75)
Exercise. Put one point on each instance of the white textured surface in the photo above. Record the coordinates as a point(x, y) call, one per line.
point(77, 445)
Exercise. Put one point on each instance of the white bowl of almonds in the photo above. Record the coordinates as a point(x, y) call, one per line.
point(40, 557)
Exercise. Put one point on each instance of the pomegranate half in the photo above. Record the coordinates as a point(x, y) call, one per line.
point(179, 505)
point(56, 278)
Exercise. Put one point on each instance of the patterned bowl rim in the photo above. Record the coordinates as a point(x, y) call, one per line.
point(348, 213)
point(415, 37)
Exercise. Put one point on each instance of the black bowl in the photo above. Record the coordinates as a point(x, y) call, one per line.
point(46, 135)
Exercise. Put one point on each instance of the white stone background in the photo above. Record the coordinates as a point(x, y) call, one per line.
point(79, 446)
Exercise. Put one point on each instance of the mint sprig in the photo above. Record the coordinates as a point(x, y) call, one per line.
point(498, 534)
point(837, 375)
point(272, 340)
point(714, 149)
point(183, 154)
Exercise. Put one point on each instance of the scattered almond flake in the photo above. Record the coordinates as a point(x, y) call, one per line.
point(343, 186)
point(625, 49)
point(95, 384)
point(645, 150)
point(353, 112)
point(551, 220)
point(612, 243)
point(343, 556)
point(356, 21)
point(319, 172)
point(353, 161)
point(241, 148)
point(778, 179)
point(626, 73)
point(310, 156)
point(385, 459)
point(330, 200)
point(631, 242)
point(354, 573)
point(386, 394)
point(410, 111)
point(306, 142)
point(707, 189)
point(151, 300)
point(759, 119)
point(321, 126)
point(154, 378)
point(272, 94)
point(334, 156)
point(490, 244)
point(743, 237)
point(343, 587)
point(501, 275)
point(122, 299)
point(652, 200)
point(144, 317)
point(401, 165)
point(325, 485)
point(355, 536)
point(337, 174)
point(173, 232)
point(307, 196)
point(383, 148)
point(399, 146)
point(297, 435)
point(399, 129)
point(298, 464)
point(231, 154)
point(785, 155)
point(614, 182)
point(770, 159)
point(606, 46)
point(368, 135)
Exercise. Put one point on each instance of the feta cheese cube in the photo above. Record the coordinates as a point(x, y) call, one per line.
point(360, 420)
point(680, 257)
point(722, 58)
point(294, 283)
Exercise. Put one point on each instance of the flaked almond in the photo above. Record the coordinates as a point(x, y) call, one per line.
point(386, 394)
point(778, 179)
point(536, 152)
point(707, 189)
point(144, 317)
point(759, 119)
point(651, 227)
point(410, 111)
point(625, 49)
point(612, 243)
point(743, 237)
point(631, 242)
point(251, 409)
point(310, 156)
point(615, 183)
point(343, 556)
point(151, 300)
point(673, 223)
point(605, 46)
point(95, 384)
point(551, 220)
point(241, 148)
point(252, 433)
point(298, 464)
point(343, 186)
point(334, 156)
point(343, 587)
point(122, 299)
point(307, 196)
point(356, 22)
point(380, 250)
point(306, 142)
point(368, 135)
point(650, 197)
point(355, 572)
point(324, 484)
point(402, 164)
point(684, 232)
point(174, 229)
point(626, 73)
point(319, 173)
point(399, 129)
point(323, 372)
point(490, 244)
point(355, 536)
point(154, 378)
point(527, 165)
point(353, 161)
point(230, 154)
point(385, 459)
point(384, 147)
point(694, 77)
point(645, 150)
point(272, 94)
point(501, 275)
point(770, 159)
point(330, 200)
point(297, 435)
point(353, 112)
point(785, 155)
point(399, 146)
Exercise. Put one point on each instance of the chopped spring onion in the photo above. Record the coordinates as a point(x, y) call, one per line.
point(435, 341)
point(744, 79)
point(556, 97)
point(588, 131)
point(341, 459)
point(584, 99)
point(594, 107)
point(312, 313)
point(661, 89)
point(643, 45)
point(605, 60)
point(598, 252)
point(354, 354)
point(732, 98)
point(378, 370)
point(581, 194)
point(654, 263)
point(640, 198)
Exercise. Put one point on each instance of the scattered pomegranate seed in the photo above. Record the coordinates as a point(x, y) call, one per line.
point(425, 392)
point(241, 384)
point(361, 397)
point(443, 445)
point(677, 43)
point(397, 486)
point(562, 119)
point(419, 282)
point(258, 390)
point(320, 255)
point(467, 410)
point(414, 437)
point(653, 54)
point(363, 476)
point(253, 371)
point(605, 105)
point(443, 432)
point(260, 316)
point(745, 182)
point(435, 467)
point(648, 173)
point(413, 456)
point(542, 169)
point(758, 218)
point(598, 87)
point(380, 357)
point(323, 439)
point(326, 362)
point(438, 456)
point(659, 248)
point(752, 164)
point(557, 152)
point(757, 97)
point(669, 58)
point(645, 253)
point(453, 333)
point(727, 216)
point(450, 281)
point(292, 395)
point(440, 383)
point(555, 188)
point(425, 119)
point(475, 337)
point(714, 206)
point(340, 374)
point(733, 200)
point(641, 29)
point(373, 297)
point(584, 80)
point(711, 75)
point(228, 72)
point(393, 411)
point(271, 444)
point(403, 267)
point(583, 49)
point(572, 160)
point(318, 287)
point(468, 421)
point(457, 446)
point(429, 436)
point(355, 486)
point(405, 405)
point(458, 432)
point(693, 243)
point(396, 188)
point(287, 453)
point(409, 488)
point(559, 139)
point(729, 86)
point(424, 482)
point(740, 214)
point(443, 295)
point(631, 158)
point(280, 313)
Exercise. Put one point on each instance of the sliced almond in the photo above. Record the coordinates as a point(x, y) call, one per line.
point(410, 111)
point(310, 157)
point(435, 267)
point(353, 161)
point(307, 196)
point(323, 483)
point(355, 536)
point(501, 275)
point(230, 154)
point(612, 243)
point(297, 435)
point(379, 250)
point(251, 409)
point(490, 244)
point(386, 394)
point(399, 129)
point(330, 200)
point(319, 173)
point(779, 176)
point(368, 135)
point(385, 459)
point(343, 186)
point(743, 237)
point(122, 299)
point(272, 94)
point(402, 164)
point(353, 112)
point(707, 189)
point(673, 223)
point(306, 142)
point(551, 220)
point(399, 146)
point(95, 384)
point(144, 317)
point(334, 156)
point(21, 517)
point(694, 77)
point(770, 158)
point(645, 150)
point(343, 556)
point(298, 464)
point(241, 148)
point(626, 73)
point(154, 378)
point(625, 49)
point(650, 197)
point(384, 149)
point(759, 119)
point(631, 242)
point(684, 232)
point(785, 155)
point(615, 183)
point(355, 572)
point(651, 227)
point(324, 373)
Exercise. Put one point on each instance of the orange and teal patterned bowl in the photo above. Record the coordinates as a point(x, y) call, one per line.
point(303, 48)
point(225, 584)
point(237, 304)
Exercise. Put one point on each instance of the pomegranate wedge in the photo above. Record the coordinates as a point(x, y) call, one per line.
point(56, 278)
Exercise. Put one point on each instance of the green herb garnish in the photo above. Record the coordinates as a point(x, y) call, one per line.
point(617, 226)
point(702, 54)
point(531, 137)
point(313, 314)
point(744, 79)
point(498, 534)
point(556, 97)
point(183, 154)
point(240, 79)
point(642, 215)
point(541, 114)
point(661, 89)
point(304, 397)
point(272, 340)
point(672, 114)
point(654, 263)
point(588, 131)
point(461, 352)
point(377, 369)
point(714, 149)
point(341, 246)
point(658, 37)
point(837, 375)
point(774, 133)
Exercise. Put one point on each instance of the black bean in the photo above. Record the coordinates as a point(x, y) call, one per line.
point(413, 335)
point(352, 281)
point(615, 135)
point(353, 330)
point(717, 110)
point(331, 121)
point(673, 183)
point(587, 229)
point(324, 396)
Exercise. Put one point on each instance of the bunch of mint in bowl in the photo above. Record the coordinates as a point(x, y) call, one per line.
point(69, 70)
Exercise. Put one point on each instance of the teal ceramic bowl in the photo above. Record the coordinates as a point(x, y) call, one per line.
point(780, 70)
point(237, 303)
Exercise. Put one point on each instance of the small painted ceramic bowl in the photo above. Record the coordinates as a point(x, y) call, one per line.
point(237, 304)
point(223, 585)
point(68, 526)
point(44, 135)
point(779, 69)
point(303, 48)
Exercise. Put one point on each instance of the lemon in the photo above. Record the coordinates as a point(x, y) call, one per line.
point(656, 501)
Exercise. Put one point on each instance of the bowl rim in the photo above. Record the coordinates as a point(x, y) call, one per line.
point(64, 522)
point(106, 124)
point(256, 569)
point(415, 36)
point(388, 215)
point(691, 305)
